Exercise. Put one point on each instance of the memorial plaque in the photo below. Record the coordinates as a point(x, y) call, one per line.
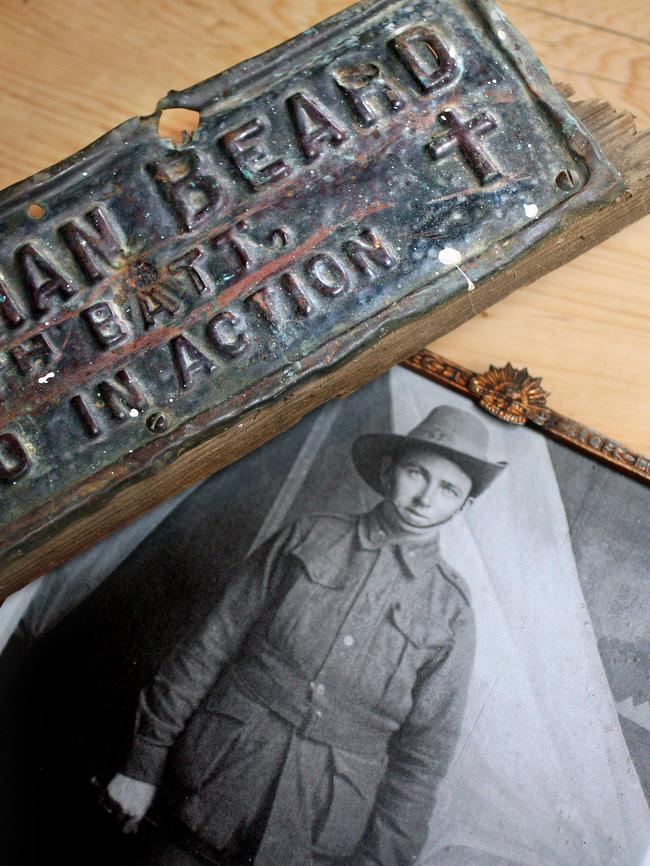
point(358, 176)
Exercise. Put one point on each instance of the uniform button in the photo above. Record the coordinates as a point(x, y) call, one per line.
point(318, 714)
point(377, 535)
point(348, 640)
point(318, 688)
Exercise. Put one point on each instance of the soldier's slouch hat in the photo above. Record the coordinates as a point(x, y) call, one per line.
point(453, 433)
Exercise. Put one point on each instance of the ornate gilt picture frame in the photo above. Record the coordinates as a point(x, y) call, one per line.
point(514, 396)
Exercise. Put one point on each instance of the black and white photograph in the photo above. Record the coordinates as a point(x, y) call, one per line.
point(402, 632)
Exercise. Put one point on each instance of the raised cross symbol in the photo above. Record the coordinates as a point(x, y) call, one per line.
point(466, 136)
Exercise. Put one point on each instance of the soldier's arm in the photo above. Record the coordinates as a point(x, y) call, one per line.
point(186, 675)
point(420, 753)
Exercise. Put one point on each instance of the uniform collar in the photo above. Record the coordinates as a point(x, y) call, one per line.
point(378, 528)
point(327, 548)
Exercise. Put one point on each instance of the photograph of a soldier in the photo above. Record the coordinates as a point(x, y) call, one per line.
point(367, 642)
point(313, 715)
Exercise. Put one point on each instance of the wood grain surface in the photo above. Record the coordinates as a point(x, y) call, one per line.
point(72, 70)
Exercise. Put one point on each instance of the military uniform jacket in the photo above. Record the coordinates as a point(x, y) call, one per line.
point(321, 700)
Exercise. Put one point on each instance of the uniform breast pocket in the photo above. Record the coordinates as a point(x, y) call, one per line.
point(350, 793)
point(421, 632)
point(421, 640)
point(313, 594)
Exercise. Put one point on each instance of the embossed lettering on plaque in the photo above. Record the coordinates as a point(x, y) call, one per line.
point(170, 288)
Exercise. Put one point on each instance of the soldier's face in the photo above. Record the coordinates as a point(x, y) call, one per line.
point(425, 488)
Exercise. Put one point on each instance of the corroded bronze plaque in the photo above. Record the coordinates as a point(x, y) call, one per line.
point(356, 177)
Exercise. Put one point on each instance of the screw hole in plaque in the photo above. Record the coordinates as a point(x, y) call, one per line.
point(566, 180)
point(178, 124)
point(35, 211)
point(279, 238)
point(158, 422)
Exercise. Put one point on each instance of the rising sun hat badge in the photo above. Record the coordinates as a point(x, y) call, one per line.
point(510, 394)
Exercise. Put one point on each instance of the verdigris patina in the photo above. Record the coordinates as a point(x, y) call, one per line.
point(356, 177)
